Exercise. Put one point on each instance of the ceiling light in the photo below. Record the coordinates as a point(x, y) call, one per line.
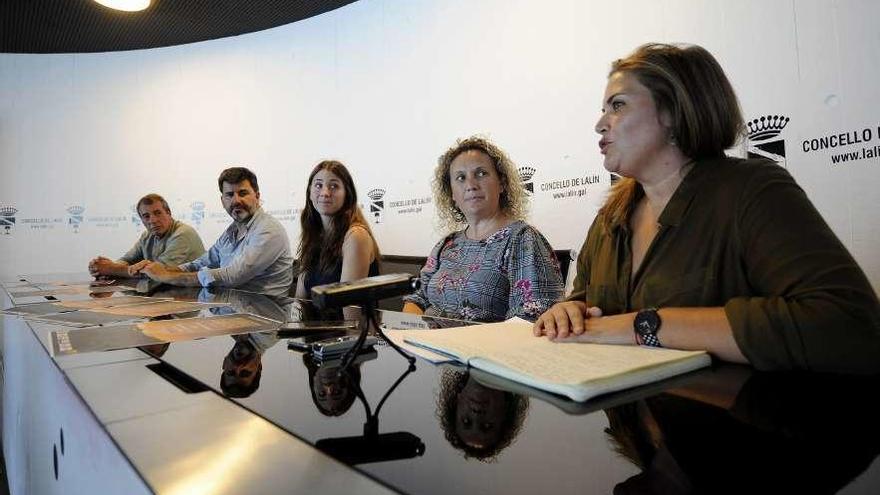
point(126, 5)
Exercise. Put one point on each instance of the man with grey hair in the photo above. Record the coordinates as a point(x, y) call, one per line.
point(166, 240)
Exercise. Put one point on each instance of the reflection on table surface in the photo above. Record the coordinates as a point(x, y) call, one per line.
point(428, 429)
point(446, 429)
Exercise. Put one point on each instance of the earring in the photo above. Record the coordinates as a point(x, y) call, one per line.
point(673, 141)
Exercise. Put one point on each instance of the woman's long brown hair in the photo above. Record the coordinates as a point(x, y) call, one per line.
point(321, 249)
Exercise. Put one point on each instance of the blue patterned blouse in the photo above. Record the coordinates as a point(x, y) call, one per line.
point(511, 273)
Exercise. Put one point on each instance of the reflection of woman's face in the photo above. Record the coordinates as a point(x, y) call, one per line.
point(331, 389)
point(476, 187)
point(630, 126)
point(479, 415)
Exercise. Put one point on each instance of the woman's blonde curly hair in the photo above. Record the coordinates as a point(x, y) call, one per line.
point(513, 197)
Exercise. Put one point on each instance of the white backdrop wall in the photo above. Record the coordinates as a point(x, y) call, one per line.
point(386, 86)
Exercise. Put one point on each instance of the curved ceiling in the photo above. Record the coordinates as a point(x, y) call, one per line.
point(81, 26)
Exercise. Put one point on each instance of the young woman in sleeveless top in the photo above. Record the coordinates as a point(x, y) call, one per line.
point(336, 244)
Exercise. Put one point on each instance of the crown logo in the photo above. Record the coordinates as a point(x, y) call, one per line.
point(76, 217)
point(766, 127)
point(376, 194)
point(7, 218)
point(526, 173)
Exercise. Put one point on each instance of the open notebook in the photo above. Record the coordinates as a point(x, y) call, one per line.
point(579, 371)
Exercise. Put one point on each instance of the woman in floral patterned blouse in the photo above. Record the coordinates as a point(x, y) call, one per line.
point(498, 266)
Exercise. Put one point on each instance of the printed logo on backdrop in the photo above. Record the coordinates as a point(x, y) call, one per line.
point(75, 217)
point(614, 179)
point(285, 214)
point(405, 206)
point(136, 218)
point(197, 213)
point(377, 204)
point(7, 218)
point(559, 188)
point(847, 146)
point(763, 137)
point(219, 217)
point(525, 177)
point(41, 223)
point(410, 205)
point(108, 222)
point(291, 214)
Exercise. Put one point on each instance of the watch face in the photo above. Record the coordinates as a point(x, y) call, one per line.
point(647, 322)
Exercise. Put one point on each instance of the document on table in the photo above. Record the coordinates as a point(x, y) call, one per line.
point(37, 309)
point(82, 318)
point(74, 341)
point(109, 302)
point(157, 308)
point(196, 328)
point(578, 371)
point(69, 291)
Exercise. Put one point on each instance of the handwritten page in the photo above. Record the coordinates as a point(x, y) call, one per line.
point(514, 351)
point(573, 363)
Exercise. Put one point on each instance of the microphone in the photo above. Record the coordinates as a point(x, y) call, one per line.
point(364, 290)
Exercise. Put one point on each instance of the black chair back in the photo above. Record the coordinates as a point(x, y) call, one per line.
point(399, 264)
point(564, 256)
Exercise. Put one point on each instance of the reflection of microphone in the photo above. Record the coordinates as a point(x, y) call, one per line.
point(374, 446)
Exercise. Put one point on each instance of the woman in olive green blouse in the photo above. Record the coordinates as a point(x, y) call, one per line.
point(695, 250)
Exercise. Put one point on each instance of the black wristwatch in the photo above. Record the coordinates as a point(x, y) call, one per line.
point(646, 325)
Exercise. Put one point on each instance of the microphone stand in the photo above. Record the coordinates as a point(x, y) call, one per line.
point(371, 427)
point(367, 320)
point(373, 446)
